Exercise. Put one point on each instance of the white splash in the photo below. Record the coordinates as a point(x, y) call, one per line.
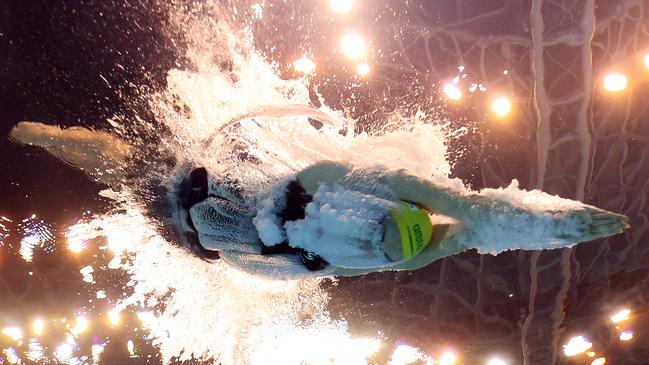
point(214, 311)
point(86, 272)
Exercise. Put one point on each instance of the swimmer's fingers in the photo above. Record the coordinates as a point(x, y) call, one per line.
point(593, 223)
point(611, 228)
point(605, 223)
point(599, 216)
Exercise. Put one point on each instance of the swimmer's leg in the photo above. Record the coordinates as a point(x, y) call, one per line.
point(98, 154)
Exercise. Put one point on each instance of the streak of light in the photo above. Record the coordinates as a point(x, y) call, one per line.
point(96, 353)
point(341, 6)
point(36, 234)
point(452, 91)
point(63, 353)
point(621, 316)
point(35, 350)
point(4, 231)
point(12, 355)
point(646, 60)
point(576, 346)
point(130, 347)
point(404, 354)
point(496, 361)
point(27, 246)
point(363, 69)
point(615, 82)
point(448, 358)
point(591, 354)
point(304, 65)
point(353, 45)
point(114, 317)
point(626, 335)
point(13, 332)
point(80, 326)
point(38, 327)
point(599, 361)
point(501, 106)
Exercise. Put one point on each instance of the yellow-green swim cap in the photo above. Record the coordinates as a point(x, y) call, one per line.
point(415, 228)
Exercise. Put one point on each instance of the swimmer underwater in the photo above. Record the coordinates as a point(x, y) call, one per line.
point(329, 219)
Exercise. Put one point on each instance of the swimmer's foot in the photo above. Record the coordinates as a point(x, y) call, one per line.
point(589, 223)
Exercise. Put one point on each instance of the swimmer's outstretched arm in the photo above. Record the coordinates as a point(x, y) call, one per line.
point(475, 210)
point(469, 208)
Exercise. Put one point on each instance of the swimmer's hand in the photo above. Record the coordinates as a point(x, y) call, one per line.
point(590, 223)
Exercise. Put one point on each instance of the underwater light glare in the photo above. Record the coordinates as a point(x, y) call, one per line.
point(626, 335)
point(496, 361)
point(363, 69)
point(353, 45)
point(448, 358)
point(599, 361)
point(341, 6)
point(304, 65)
point(621, 316)
point(501, 106)
point(615, 82)
point(452, 91)
point(576, 346)
point(114, 317)
point(38, 326)
point(13, 332)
